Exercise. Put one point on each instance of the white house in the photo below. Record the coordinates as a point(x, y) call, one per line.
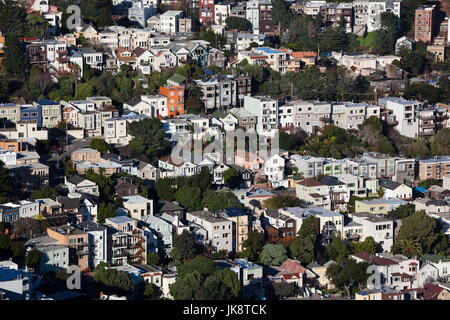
point(274, 168)
point(393, 189)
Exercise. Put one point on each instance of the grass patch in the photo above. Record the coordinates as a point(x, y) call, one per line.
point(368, 41)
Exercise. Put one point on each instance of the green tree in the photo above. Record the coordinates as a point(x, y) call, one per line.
point(403, 211)
point(241, 24)
point(153, 258)
point(214, 289)
point(5, 183)
point(281, 13)
point(12, 18)
point(337, 250)
point(428, 183)
point(410, 248)
point(45, 192)
point(252, 245)
point(216, 201)
point(189, 197)
point(17, 248)
point(113, 281)
point(105, 185)
point(100, 145)
point(14, 62)
point(105, 210)
point(215, 40)
point(425, 230)
point(304, 246)
point(281, 201)
point(231, 178)
point(284, 289)
point(36, 24)
point(149, 139)
point(150, 290)
point(273, 255)
point(387, 34)
point(230, 279)
point(205, 267)
point(368, 245)
point(183, 247)
point(440, 143)
point(348, 276)
point(188, 287)
point(33, 258)
point(165, 189)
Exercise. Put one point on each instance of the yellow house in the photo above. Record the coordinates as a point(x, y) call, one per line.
point(240, 226)
point(378, 206)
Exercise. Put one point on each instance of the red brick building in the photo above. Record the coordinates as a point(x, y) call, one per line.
point(206, 11)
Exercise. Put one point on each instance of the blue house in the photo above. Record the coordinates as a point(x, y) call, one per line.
point(31, 112)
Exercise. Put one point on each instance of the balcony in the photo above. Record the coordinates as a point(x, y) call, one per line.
point(119, 245)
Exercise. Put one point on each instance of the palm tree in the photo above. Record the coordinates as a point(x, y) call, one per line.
point(410, 248)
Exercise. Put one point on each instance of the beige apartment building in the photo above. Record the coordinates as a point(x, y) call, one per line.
point(219, 231)
point(240, 226)
point(77, 241)
point(434, 168)
point(86, 154)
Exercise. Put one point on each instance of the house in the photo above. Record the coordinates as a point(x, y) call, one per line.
point(366, 225)
point(439, 193)
point(146, 171)
point(250, 276)
point(77, 241)
point(125, 188)
point(219, 231)
point(151, 274)
point(80, 184)
point(396, 271)
point(54, 256)
point(158, 103)
point(285, 225)
point(431, 206)
point(241, 223)
point(138, 206)
point(404, 43)
point(170, 208)
point(274, 169)
point(328, 223)
point(393, 189)
point(115, 129)
point(98, 242)
point(51, 112)
point(320, 271)
point(255, 197)
point(313, 192)
point(163, 231)
point(175, 100)
point(441, 263)
point(378, 206)
point(169, 21)
point(436, 292)
point(218, 173)
point(154, 23)
point(128, 242)
point(433, 168)
point(86, 154)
